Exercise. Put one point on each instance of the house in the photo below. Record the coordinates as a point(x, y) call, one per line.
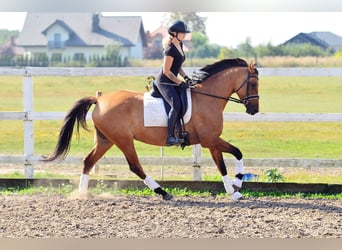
point(323, 40)
point(155, 40)
point(10, 49)
point(81, 35)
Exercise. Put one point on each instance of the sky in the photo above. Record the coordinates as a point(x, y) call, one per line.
point(231, 28)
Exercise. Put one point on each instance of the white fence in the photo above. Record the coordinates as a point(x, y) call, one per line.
point(28, 115)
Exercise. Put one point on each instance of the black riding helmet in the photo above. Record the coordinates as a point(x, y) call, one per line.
point(178, 27)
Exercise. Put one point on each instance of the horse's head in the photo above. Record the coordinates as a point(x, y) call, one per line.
point(248, 90)
point(232, 76)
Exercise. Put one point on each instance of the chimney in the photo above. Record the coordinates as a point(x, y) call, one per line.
point(96, 22)
point(12, 41)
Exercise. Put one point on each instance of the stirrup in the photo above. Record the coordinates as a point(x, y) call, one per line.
point(172, 141)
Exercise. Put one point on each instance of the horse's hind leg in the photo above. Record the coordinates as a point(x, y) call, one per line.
point(134, 165)
point(100, 148)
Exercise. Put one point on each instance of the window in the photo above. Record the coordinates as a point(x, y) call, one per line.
point(79, 57)
point(56, 57)
point(57, 41)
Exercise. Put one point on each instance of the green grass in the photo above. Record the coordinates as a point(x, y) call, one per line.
point(62, 190)
point(66, 190)
point(277, 94)
point(255, 139)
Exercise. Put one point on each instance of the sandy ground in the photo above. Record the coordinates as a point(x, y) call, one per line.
point(121, 216)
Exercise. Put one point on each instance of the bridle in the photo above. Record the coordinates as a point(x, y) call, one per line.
point(247, 97)
point(244, 100)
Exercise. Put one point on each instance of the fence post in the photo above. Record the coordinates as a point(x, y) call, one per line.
point(96, 167)
point(162, 164)
point(197, 156)
point(28, 126)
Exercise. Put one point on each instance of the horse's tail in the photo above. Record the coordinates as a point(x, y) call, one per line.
point(77, 114)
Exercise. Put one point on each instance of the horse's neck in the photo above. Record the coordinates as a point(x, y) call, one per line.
point(223, 83)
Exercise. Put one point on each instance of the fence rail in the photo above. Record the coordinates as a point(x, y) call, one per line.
point(228, 116)
point(147, 71)
point(28, 116)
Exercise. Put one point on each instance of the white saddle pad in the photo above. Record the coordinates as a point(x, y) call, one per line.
point(155, 114)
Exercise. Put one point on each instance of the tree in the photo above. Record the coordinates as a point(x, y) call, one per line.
point(5, 35)
point(307, 49)
point(246, 49)
point(113, 54)
point(192, 20)
point(226, 53)
point(269, 50)
point(199, 39)
point(201, 48)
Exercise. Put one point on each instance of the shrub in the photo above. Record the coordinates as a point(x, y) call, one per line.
point(272, 175)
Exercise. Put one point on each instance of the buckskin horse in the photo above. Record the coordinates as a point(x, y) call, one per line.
point(118, 120)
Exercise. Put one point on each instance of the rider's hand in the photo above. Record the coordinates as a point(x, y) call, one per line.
point(184, 85)
point(189, 81)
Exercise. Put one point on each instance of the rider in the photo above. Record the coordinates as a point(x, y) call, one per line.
point(167, 80)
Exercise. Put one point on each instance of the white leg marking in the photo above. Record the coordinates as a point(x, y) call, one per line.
point(236, 196)
point(228, 184)
point(151, 183)
point(237, 182)
point(83, 186)
point(239, 168)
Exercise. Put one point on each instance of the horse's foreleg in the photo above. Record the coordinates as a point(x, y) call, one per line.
point(239, 173)
point(227, 182)
point(239, 167)
point(153, 185)
point(135, 166)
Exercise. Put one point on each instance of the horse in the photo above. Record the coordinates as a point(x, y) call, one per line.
point(118, 120)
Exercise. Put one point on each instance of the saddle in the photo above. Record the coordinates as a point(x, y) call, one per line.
point(184, 94)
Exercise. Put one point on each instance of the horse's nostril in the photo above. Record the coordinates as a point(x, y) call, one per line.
point(252, 110)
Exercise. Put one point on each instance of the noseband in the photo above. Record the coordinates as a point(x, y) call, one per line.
point(244, 100)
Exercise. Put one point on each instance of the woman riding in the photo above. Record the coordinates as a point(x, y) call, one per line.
point(167, 80)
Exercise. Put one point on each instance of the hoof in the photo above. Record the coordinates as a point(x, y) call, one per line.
point(236, 196)
point(167, 197)
point(86, 195)
point(82, 196)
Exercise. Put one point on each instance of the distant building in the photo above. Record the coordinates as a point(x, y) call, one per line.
point(10, 49)
point(81, 35)
point(323, 40)
point(155, 40)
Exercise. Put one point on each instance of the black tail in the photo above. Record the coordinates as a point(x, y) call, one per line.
point(78, 115)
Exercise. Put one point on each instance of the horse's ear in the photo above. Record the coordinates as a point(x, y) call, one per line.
point(252, 67)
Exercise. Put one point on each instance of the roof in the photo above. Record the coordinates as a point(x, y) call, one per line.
point(125, 30)
point(328, 37)
point(322, 39)
point(162, 30)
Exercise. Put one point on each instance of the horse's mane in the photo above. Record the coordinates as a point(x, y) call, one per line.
point(216, 67)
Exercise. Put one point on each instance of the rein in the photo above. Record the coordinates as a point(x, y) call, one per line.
point(233, 99)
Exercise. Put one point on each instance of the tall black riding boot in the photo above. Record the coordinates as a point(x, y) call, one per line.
point(171, 139)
